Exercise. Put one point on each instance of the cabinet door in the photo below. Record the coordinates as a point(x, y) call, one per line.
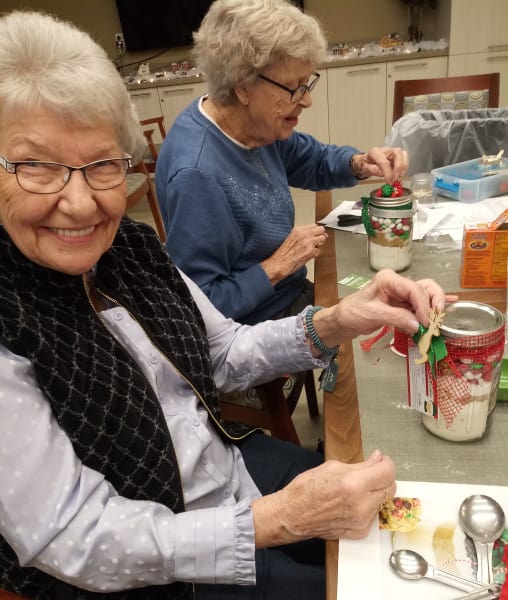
point(482, 62)
point(478, 26)
point(357, 105)
point(314, 120)
point(147, 106)
point(411, 69)
point(174, 98)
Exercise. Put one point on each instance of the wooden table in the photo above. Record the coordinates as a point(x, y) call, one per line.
point(343, 436)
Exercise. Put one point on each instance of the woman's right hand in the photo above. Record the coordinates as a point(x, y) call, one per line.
point(302, 244)
point(332, 501)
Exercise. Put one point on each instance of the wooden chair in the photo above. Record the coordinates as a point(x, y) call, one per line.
point(452, 93)
point(139, 186)
point(5, 595)
point(148, 133)
point(273, 407)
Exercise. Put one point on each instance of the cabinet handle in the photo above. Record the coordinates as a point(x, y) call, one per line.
point(495, 47)
point(358, 71)
point(497, 58)
point(141, 94)
point(410, 66)
point(178, 90)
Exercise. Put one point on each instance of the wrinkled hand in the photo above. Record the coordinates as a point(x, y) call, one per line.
point(332, 501)
point(302, 244)
point(389, 163)
point(388, 299)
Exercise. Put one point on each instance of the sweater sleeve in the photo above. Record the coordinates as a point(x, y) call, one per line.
point(315, 166)
point(195, 210)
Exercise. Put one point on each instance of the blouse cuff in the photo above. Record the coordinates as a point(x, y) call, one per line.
point(216, 545)
point(301, 340)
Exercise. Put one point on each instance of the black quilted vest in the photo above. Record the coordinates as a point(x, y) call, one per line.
point(96, 390)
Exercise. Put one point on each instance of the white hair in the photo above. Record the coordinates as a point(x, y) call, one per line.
point(237, 39)
point(48, 63)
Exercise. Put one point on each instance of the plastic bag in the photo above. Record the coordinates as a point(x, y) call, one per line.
point(437, 138)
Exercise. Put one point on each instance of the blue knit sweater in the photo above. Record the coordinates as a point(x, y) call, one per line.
point(226, 208)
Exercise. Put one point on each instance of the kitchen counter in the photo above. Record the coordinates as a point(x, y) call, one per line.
point(334, 61)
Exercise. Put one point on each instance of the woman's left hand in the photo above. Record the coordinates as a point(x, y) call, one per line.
point(389, 163)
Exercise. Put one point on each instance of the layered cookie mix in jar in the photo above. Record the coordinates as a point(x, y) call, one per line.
point(388, 219)
point(455, 390)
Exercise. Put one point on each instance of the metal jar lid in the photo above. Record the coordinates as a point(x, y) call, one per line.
point(388, 202)
point(468, 319)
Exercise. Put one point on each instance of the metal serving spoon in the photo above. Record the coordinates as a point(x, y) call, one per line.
point(487, 592)
point(408, 564)
point(483, 520)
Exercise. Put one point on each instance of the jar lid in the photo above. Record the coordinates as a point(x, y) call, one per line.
point(467, 319)
point(385, 202)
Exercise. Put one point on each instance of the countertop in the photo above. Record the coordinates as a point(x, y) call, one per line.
point(334, 61)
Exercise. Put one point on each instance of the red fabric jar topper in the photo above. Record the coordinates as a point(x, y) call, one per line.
point(504, 590)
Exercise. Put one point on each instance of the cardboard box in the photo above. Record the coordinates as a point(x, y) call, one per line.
point(485, 254)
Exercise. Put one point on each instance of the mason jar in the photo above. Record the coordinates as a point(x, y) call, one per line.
point(389, 225)
point(422, 187)
point(465, 385)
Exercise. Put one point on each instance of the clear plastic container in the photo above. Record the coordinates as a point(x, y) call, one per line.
point(421, 184)
point(472, 180)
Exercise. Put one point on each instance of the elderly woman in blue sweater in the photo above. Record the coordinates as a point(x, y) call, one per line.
point(225, 168)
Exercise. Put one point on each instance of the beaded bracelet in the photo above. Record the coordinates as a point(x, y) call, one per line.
point(313, 336)
point(328, 377)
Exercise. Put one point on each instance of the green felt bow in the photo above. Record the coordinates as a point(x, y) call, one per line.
point(437, 349)
point(366, 218)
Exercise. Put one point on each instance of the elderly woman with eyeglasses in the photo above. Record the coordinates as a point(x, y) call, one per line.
point(225, 168)
point(118, 477)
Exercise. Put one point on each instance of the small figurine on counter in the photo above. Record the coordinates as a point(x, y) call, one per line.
point(492, 159)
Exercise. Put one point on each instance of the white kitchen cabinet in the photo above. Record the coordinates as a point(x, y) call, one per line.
point(147, 105)
point(478, 26)
point(314, 120)
point(168, 100)
point(357, 105)
point(479, 40)
point(411, 69)
point(174, 98)
point(483, 62)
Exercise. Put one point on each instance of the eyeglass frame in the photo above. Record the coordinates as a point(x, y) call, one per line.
point(303, 89)
point(12, 166)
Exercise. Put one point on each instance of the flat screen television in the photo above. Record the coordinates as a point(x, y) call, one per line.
point(153, 24)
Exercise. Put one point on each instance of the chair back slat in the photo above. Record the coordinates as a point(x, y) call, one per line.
point(468, 92)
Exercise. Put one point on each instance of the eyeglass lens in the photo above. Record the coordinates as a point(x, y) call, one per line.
point(47, 178)
point(300, 92)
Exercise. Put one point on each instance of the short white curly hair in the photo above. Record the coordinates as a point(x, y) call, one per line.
point(237, 39)
point(49, 63)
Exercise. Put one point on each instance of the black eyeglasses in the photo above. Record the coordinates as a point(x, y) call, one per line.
point(298, 93)
point(49, 177)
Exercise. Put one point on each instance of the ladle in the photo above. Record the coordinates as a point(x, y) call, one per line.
point(408, 564)
point(483, 520)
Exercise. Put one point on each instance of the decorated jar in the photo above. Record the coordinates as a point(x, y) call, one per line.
point(388, 218)
point(464, 383)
